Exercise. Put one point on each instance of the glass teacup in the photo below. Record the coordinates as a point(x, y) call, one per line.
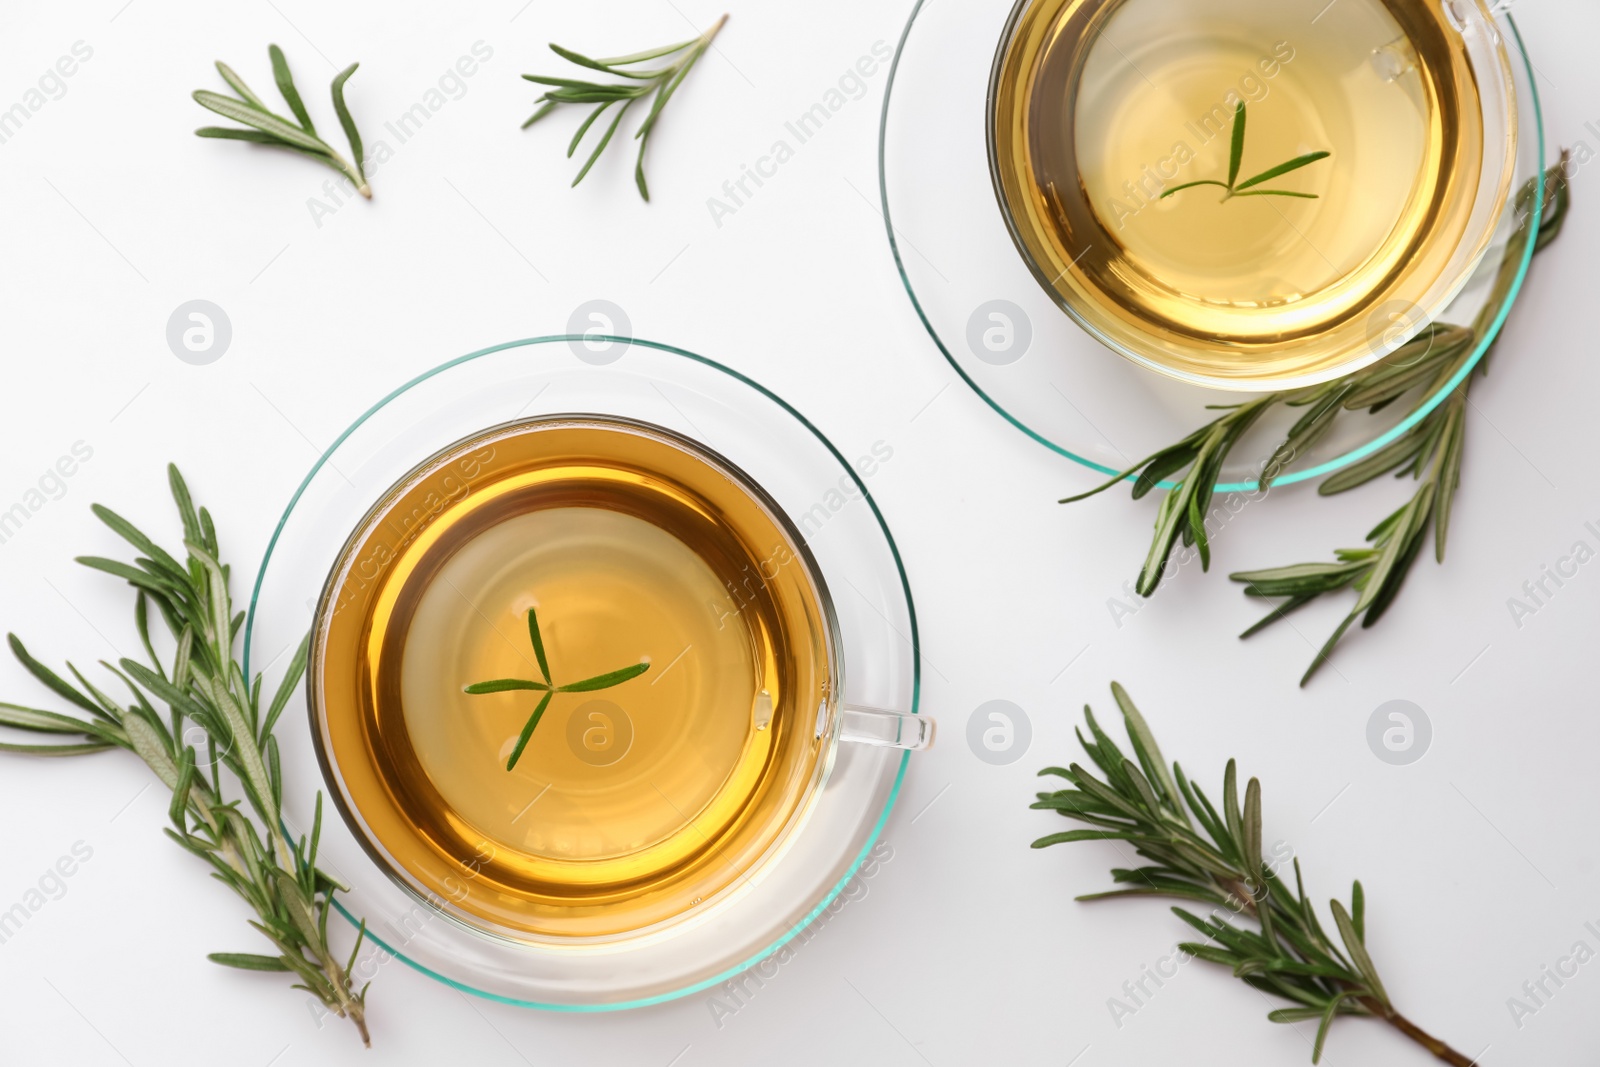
point(554, 551)
point(1249, 194)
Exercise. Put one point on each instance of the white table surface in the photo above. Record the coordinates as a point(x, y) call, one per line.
point(1480, 861)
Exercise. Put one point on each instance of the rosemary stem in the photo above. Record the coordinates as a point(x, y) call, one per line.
point(347, 1006)
point(1376, 1008)
point(1416, 1033)
point(349, 171)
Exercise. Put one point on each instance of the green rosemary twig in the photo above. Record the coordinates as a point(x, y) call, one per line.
point(1204, 856)
point(269, 128)
point(663, 81)
point(202, 686)
point(548, 687)
point(1430, 451)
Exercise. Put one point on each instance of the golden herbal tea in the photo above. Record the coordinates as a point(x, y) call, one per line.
point(1360, 137)
point(629, 806)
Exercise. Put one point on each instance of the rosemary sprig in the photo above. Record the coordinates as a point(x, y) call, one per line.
point(1199, 457)
point(202, 687)
point(1234, 187)
point(267, 127)
point(1214, 858)
point(1430, 451)
point(663, 81)
point(548, 686)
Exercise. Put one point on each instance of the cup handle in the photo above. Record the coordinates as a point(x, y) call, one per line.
point(885, 729)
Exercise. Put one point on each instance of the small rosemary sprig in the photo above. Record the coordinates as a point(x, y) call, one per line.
point(202, 687)
point(1214, 858)
point(1233, 187)
point(548, 686)
point(269, 128)
point(663, 81)
point(1431, 451)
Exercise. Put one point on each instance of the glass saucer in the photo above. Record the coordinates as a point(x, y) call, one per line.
point(1007, 338)
point(809, 479)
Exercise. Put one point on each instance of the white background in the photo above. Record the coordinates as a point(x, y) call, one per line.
point(1479, 860)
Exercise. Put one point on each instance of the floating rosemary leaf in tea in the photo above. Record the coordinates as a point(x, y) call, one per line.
point(201, 684)
point(663, 81)
point(1201, 855)
point(1233, 187)
point(548, 686)
point(266, 127)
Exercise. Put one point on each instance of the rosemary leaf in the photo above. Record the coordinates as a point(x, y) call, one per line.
point(264, 121)
point(527, 730)
point(247, 962)
point(604, 681)
point(291, 96)
point(1282, 168)
point(349, 125)
point(1236, 147)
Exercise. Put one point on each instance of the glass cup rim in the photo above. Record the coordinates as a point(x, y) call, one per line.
point(1500, 85)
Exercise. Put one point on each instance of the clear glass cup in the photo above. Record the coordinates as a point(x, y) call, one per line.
point(1049, 72)
point(352, 709)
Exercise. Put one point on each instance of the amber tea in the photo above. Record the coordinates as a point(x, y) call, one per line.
point(628, 806)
